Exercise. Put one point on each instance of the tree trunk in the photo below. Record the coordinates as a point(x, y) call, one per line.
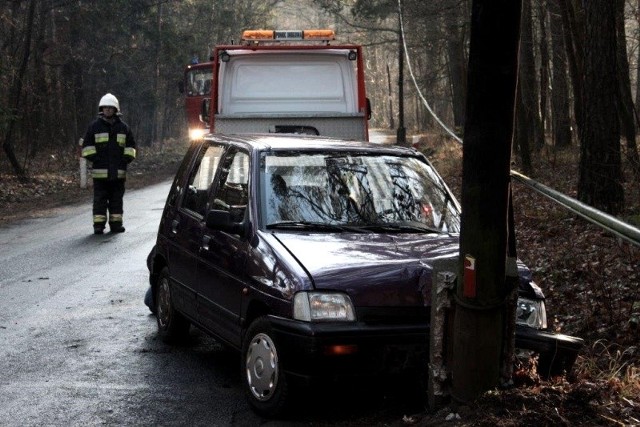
point(600, 183)
point(543, 42)
point(560, 113)
point(392, 122)
point(457, 70)
point(156, 131)
point(523, 133)
point(638, 61)
point(528, 117)
point(34, 107)
point(401, 134)
point(15, 93)
point(573, 24)
point(626, 108)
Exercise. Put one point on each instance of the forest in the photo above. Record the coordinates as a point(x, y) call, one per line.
point(577, 76)
point(576, 119)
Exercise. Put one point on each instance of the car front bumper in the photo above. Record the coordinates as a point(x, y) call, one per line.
point(333, 350)
point(557, 352)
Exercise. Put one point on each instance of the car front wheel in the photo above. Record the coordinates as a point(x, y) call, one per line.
point(172, 326)
point(264, 381)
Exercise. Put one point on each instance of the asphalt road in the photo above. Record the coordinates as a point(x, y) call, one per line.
point(78, 347)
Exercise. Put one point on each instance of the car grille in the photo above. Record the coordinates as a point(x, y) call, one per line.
point(393, 315)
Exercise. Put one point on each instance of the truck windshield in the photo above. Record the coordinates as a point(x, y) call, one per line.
point(382, 193)
point(198, 81)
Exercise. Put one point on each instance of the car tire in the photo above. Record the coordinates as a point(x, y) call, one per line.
point(264, 381)
point(148, 300)
point(172, 326)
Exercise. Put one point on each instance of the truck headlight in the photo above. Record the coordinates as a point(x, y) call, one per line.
point(531, 313)
point(196, 133)
point(322, 307)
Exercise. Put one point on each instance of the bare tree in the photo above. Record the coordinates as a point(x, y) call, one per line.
point(15, 98)
point(543, 65)
point(600, 183)
point(628, 117)
point(528, 126)
point(560, 110)
point(573, 25)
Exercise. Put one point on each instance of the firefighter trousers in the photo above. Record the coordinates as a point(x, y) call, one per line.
point(107, 197)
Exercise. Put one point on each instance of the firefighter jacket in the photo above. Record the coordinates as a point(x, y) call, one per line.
point(110, 147)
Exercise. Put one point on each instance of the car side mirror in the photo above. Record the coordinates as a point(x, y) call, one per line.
point(221, 220)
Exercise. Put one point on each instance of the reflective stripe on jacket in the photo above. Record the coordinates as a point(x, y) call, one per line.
point(110, 147)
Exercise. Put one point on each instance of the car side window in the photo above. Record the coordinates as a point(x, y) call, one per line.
point(200, 180)
point(176, 187)
point(232, 192)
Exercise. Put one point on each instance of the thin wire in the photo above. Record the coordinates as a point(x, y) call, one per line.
point(415, 83)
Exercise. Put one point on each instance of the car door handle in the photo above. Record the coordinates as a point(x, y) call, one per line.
point(205, 243)
point(174, 226)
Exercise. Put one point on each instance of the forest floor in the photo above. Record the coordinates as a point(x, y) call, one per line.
point(591, 280)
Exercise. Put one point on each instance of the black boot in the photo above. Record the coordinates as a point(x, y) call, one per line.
point(98, 230)
point(116, 227)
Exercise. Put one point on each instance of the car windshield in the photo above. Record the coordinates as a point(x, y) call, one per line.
point(354, 191)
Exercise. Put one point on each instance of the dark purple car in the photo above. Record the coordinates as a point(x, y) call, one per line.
point(314, 258)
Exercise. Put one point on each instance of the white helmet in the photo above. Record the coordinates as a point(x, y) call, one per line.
point(109, 101)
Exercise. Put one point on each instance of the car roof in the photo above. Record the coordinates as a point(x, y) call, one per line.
point(266, 142)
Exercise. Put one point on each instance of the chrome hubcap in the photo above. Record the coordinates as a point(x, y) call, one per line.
point(262, 367)
point(164, 303)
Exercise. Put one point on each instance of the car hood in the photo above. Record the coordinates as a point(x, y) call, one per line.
point(374, 269)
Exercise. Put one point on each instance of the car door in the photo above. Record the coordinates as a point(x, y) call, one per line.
point(223, 255)
point(186, 226)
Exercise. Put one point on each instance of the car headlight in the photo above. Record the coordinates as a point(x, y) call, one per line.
point(531, 313)
point(320, 306)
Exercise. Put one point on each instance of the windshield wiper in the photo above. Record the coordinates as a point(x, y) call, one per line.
point(316, 226)
point(403, 228)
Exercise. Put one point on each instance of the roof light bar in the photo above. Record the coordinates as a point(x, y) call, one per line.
point(288, 35)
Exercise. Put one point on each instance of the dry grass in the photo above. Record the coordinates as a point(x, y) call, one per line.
point(613, 365)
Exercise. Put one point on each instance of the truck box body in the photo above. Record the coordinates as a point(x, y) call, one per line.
point(286, 83)
point(279, 82)
point(270, 86)
point(293, 91)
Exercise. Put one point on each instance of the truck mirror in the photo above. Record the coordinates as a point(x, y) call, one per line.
point(368, 109)
point(204, 110)
point(181, 86)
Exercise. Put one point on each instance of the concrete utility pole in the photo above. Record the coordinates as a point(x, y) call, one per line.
point(481, 291)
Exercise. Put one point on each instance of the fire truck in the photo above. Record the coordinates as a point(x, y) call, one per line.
point(280, 81)
point(196, 88)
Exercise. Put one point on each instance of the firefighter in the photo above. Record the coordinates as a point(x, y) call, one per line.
point(110, 146)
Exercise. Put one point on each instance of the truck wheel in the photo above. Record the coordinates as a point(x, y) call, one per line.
point(172, 326)
point(263, 378)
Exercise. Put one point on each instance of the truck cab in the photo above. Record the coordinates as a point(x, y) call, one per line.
point(196, 88)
